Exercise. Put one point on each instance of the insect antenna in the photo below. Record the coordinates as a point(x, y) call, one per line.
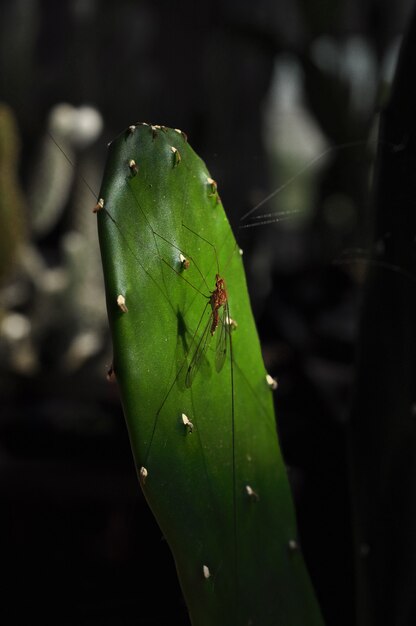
point(73, 165)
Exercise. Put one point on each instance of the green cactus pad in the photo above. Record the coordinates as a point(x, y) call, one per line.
point(198, 406)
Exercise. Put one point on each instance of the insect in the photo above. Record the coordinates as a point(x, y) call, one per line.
point(218, 300)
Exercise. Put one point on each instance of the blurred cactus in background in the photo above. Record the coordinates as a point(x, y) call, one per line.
point(69, 130)
point(13, 213)
point(58, 296)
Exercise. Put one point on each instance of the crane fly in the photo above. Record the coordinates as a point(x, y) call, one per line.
point(217, 300)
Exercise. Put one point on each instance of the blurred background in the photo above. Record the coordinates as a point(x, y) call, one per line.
point(281, 99)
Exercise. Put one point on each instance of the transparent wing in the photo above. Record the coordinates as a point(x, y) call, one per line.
point(198, 355)
point(222, 339)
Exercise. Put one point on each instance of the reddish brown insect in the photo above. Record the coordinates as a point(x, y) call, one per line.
point(218, 300)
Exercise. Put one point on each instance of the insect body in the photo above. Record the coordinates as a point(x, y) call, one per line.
point(218, 299)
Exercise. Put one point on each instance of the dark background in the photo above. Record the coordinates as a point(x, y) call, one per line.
point(262, 89)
